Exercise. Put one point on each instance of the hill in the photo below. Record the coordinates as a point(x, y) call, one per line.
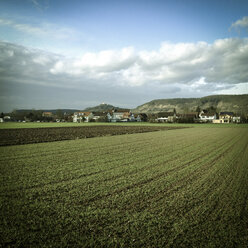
point(100, 108)
point(233, 103)
point(54, 111)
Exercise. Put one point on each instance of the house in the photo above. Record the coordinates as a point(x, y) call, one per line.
point(225, 117)
point(228, 117)
point(99, 116)
point(124, 115)
point(166, 116)
point(6, 118)
point(206, 117)
point(1, 120)
point(136, 117)
point(236, 119)
point(127, 116)
point(109, 117)
point(82, 116)
point(120, 115)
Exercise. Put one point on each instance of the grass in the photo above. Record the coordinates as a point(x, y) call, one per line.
point(177, 188)
point(6, 125)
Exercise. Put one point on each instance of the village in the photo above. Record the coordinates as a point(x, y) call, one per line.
point(126, 115)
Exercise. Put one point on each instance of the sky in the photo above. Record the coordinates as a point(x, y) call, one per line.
point(77, 54)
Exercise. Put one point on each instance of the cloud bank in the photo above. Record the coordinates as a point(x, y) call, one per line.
point(223, 62)
point(174, 70)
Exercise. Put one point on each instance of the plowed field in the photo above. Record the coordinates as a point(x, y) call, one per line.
point(17, 136)
point(182, 188)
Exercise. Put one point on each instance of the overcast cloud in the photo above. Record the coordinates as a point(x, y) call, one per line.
point(124, 77)
point(223, 62)
point(175, 69)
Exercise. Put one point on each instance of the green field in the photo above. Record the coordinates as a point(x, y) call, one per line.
point(176, 188)
point(7, 125)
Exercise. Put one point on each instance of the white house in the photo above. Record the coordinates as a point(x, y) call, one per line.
point(236, 119)
point(207, 117)
point(120, 115)
point(162, 119)
point(135, 117)
point(82, 116)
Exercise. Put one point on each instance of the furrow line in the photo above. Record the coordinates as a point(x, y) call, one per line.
point(184, 181)
point(152, 179)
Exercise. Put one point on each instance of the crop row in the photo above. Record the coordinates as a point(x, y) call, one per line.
point(183, 188)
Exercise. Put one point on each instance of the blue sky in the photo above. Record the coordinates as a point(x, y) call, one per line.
point(145, 49)
point(103, 24)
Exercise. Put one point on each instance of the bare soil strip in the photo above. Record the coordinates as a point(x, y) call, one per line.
point(20, 136)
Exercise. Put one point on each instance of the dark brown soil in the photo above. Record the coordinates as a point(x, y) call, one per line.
point(38, 135)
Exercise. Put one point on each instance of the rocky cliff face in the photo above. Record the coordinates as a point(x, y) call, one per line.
point(233, 103)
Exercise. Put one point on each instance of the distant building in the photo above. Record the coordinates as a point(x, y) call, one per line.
point(99, 116)
point(207, 117)
point(6, 118)
point(236, 119)
point(227, 117)
point(82, 116)
point(120, 115)
point(166, 117)
point(136, 117)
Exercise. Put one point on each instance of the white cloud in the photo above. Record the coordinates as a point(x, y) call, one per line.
point(106, 61)
point(40, 5)
point(126, 75)
point(133, 76)
point(236, 89)
point(45, 29)
point(6, 22)
point(198, 66)
point(224, 61)
point(102, 65)
point(58, 68)
point(241, 23)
